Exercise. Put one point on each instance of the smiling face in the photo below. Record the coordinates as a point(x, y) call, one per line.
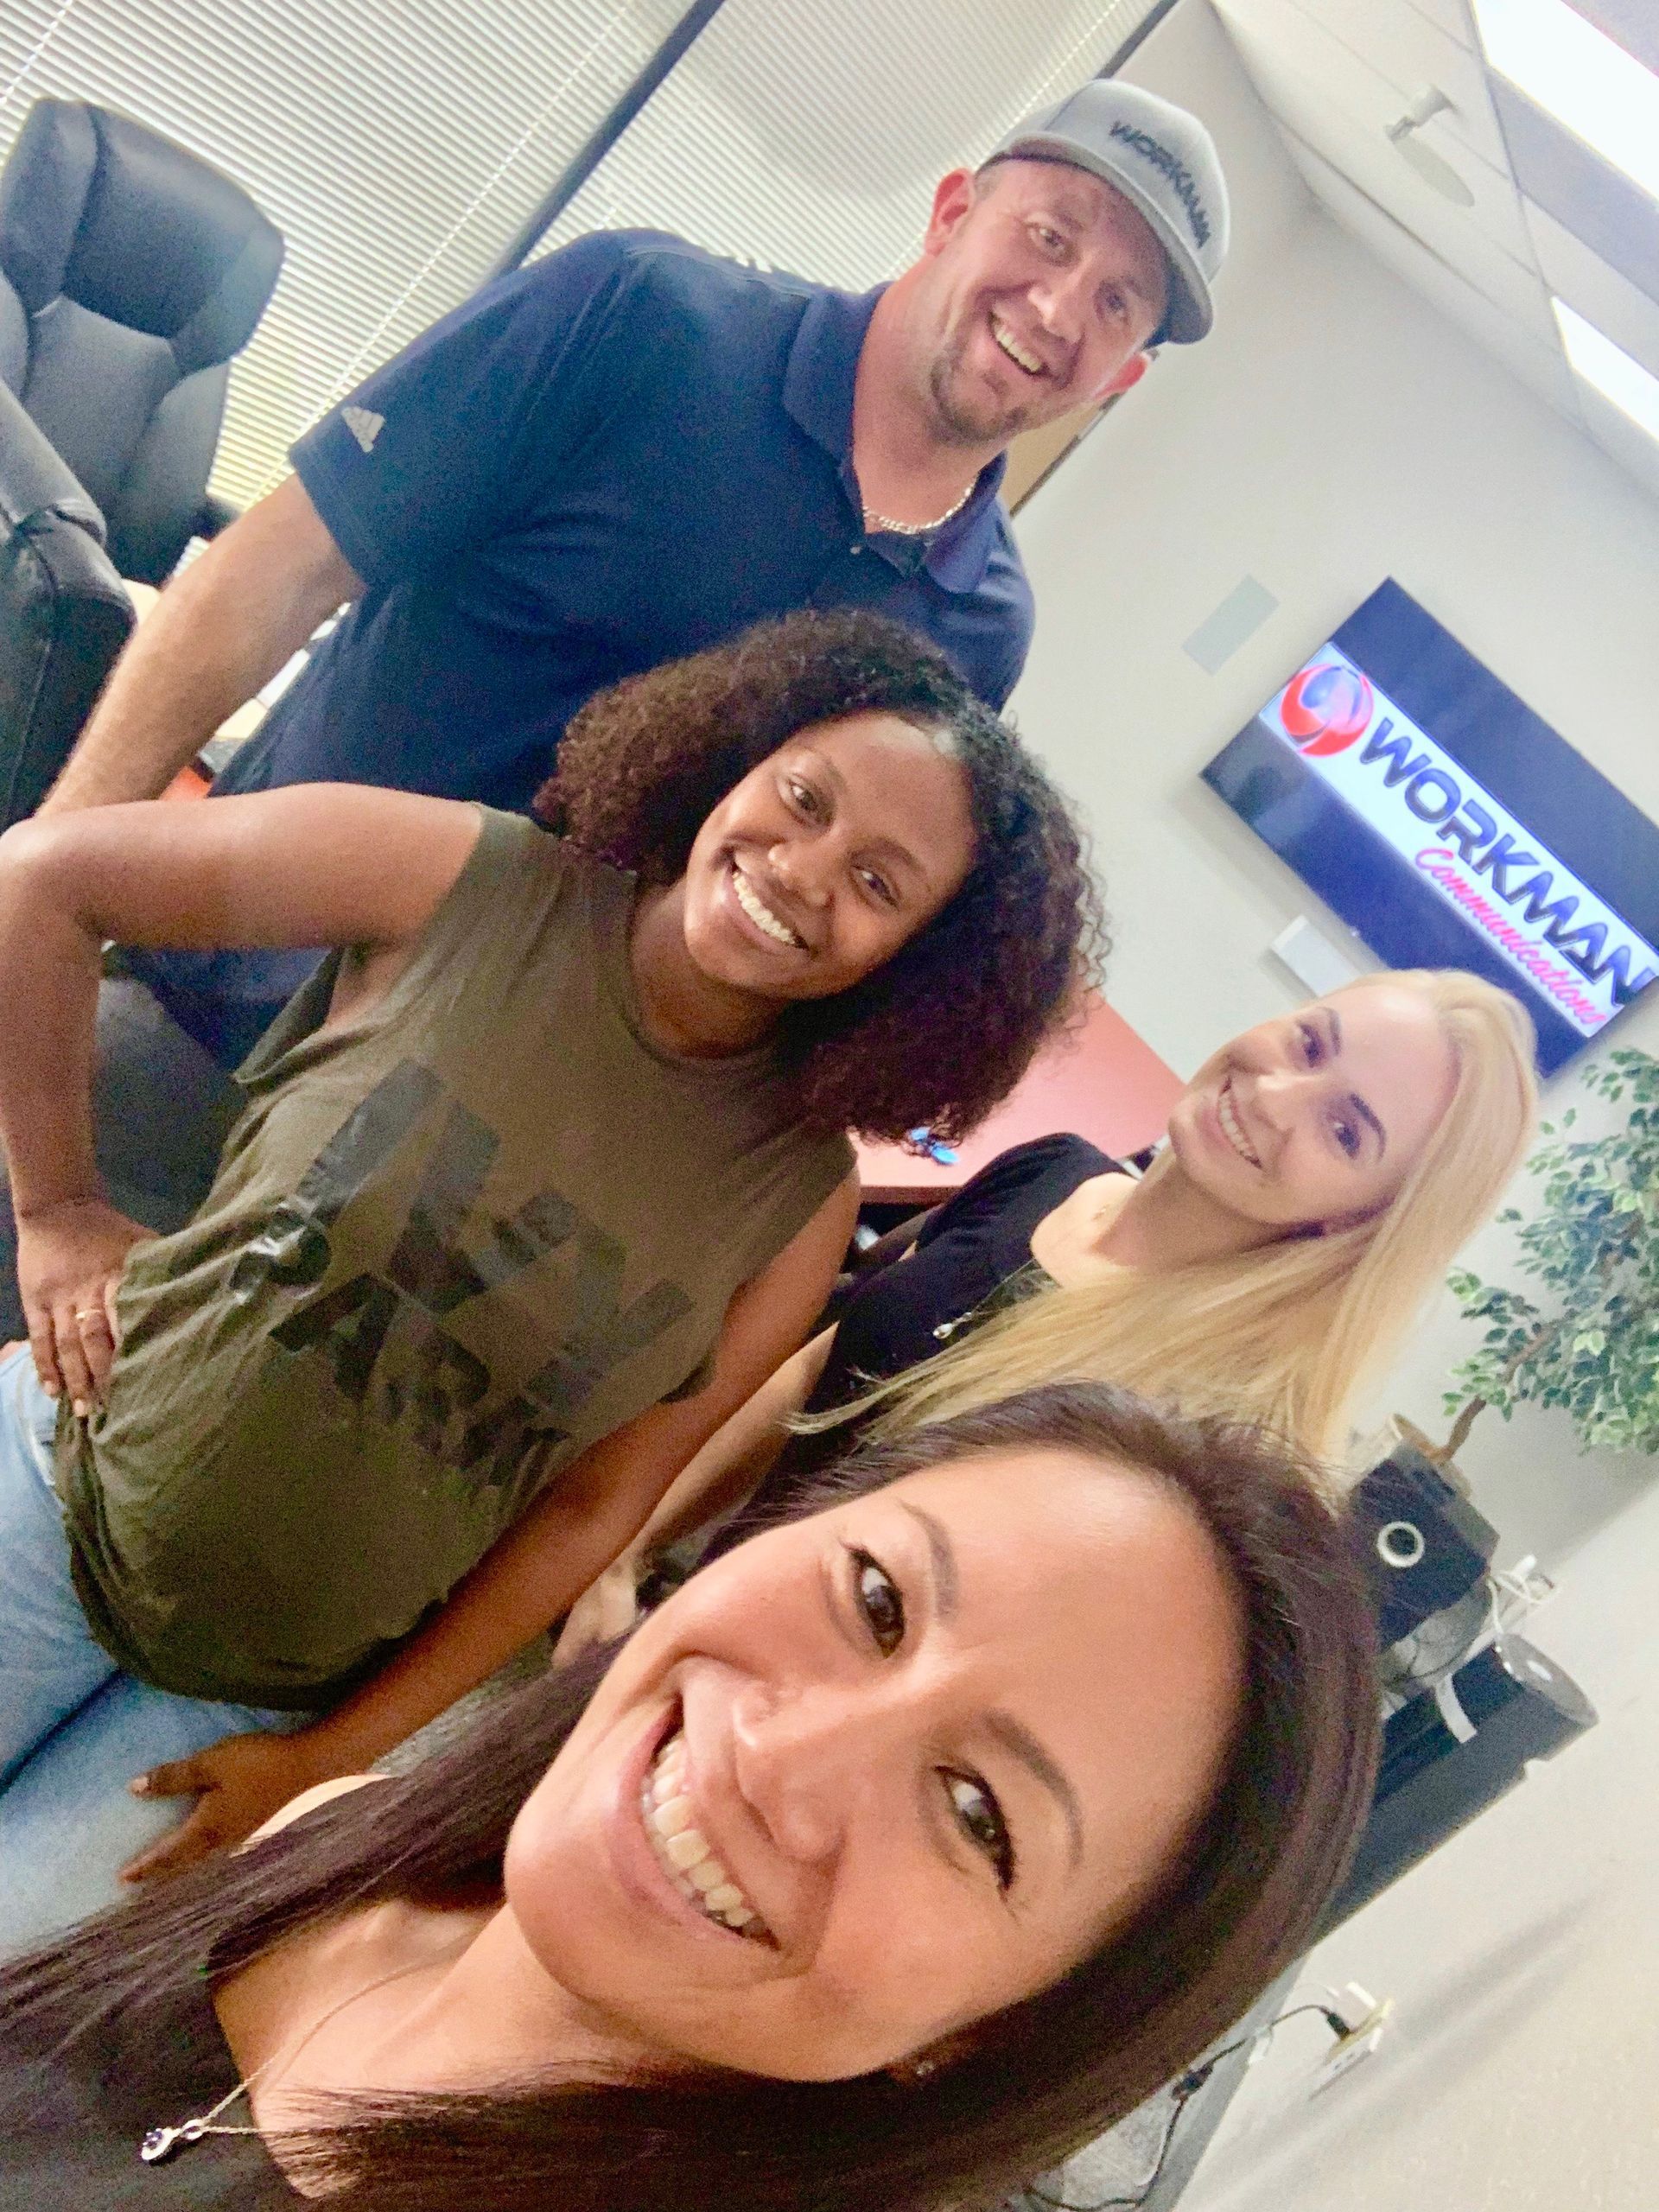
point(1317, 1118)
point(825, 859)
point(1039, 289)
point(875, 1776)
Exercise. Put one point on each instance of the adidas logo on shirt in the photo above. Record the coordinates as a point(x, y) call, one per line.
point(364, 427)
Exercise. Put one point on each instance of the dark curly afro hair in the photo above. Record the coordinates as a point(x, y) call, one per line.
point(936, 1036)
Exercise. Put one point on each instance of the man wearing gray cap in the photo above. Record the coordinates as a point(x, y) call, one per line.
point(1091, 234)
point(622, 453)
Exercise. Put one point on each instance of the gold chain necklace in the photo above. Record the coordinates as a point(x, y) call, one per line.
point(874, 521)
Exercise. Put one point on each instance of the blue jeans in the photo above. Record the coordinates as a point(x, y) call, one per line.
point(74, 1729)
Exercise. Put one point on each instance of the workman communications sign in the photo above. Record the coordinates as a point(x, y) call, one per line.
point(1480, 858)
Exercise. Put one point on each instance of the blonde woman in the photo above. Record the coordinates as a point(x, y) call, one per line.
point(1321, 1171)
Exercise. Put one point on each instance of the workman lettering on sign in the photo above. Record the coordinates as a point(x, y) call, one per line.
point(625, 452)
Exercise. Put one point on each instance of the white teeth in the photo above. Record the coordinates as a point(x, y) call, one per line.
point(683, 1851)
point(1015, 351)
point(671, 1816)
point(760, 914)
point(1227, 1115)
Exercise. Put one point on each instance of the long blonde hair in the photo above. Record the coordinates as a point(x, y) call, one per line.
point(1285, 1333)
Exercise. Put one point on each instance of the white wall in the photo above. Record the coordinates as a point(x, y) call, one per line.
point(1334, 430)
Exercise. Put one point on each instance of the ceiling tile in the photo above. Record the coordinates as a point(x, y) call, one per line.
point(1601, 295)
point(1342, 107)
point(1335, 73)
point(1613, 216)
point(1413, 54)
point(1452, 17)
point(1633, 24)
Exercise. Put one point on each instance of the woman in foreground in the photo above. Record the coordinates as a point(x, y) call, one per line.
point(537, 1180)
point(1321, 1171)
point(902, 1850)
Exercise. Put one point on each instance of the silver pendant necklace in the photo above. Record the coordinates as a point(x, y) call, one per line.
point(160, 2142)
point(1026, 1278)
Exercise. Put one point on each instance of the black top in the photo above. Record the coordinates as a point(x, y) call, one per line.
point(71, 2125)
point(967, 1250)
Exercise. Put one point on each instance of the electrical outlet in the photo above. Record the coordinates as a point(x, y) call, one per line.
point(1361, 2040)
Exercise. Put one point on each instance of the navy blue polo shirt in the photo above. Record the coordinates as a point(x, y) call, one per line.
point(626, 452)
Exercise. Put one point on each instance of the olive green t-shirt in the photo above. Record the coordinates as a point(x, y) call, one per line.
point(454, 1239)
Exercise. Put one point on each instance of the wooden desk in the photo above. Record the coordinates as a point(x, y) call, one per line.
point(1102, 1080)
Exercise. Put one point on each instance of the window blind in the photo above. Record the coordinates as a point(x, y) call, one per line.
point(808, 137)
point(396, 144)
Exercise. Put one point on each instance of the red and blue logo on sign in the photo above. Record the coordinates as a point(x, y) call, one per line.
point(1325, 709)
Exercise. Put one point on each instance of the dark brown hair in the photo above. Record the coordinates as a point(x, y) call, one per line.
point(1036, 2082)
point(947, 1026)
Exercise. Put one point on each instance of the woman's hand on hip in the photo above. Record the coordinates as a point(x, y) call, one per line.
point(237, 1783)
point(70, 1258)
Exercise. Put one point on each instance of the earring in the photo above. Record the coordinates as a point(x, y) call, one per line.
point(909, 2071)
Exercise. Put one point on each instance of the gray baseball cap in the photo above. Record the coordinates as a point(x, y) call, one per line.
point(1163, 163)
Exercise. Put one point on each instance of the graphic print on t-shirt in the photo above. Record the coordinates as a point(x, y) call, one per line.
point(380, 1333)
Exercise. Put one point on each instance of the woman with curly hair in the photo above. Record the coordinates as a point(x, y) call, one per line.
point(901, 1853)
point(537, 1181)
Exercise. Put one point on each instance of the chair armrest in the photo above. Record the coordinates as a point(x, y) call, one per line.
point(36, 483)
point(214, 515)
point(64, 614)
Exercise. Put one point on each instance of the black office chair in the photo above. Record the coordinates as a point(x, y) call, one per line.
point(130, 273)
point(64, 613)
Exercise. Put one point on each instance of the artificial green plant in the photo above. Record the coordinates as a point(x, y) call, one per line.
point(1587, 1338)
